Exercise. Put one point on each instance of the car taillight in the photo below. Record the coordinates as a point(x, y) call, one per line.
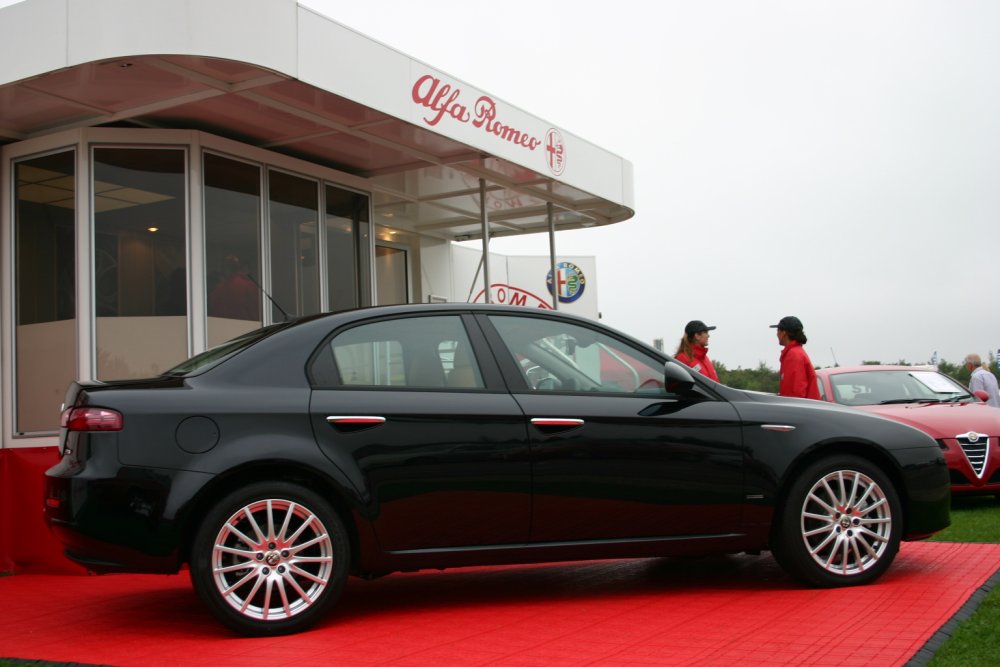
point(91, 419)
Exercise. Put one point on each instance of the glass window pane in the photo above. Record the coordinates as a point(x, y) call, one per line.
point(294, 211)
point(558, 356)
point(345, 213)
point(140, 260)
point(232, 247)
point(365, 262)
point(390, 272)
point(412, 352)
point(45, 288)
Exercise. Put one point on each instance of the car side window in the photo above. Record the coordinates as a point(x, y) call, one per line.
point(554, 355)
point(413, 352)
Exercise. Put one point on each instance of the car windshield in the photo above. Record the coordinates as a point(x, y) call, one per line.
point(202, 362)
point(896, 386)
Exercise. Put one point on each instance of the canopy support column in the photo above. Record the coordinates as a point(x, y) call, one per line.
point(552, 256)
point(486, 241)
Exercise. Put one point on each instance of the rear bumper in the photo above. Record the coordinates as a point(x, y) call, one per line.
point(113, 520)
point(102, 557)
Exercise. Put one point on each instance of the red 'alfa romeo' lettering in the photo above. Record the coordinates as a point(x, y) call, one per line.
point(443, 100)
point(426, 92)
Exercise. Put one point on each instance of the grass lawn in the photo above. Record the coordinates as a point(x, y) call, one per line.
point(977, 640)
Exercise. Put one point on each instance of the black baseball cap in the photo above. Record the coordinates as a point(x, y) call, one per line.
point(788, 323)
point(696, 326)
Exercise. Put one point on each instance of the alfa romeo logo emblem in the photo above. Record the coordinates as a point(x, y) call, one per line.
point(568, 283)
point(555, 151)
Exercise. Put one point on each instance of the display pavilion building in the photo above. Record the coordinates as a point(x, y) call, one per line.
point(177, 172)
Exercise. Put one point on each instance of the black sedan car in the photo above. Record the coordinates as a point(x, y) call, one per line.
point(434, 436)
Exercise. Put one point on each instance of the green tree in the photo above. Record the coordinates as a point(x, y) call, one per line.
point(959, 372)
point(761, 378)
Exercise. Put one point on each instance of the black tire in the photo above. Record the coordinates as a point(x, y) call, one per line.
point(840, 524)
point(270, 559)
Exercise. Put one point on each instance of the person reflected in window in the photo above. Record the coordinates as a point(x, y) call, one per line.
point(236, 295)
point(693, 349)
point(798, 377)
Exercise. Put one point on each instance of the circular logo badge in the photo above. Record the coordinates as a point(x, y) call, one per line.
point(509, 295)
point(555, 151)
point(569, 282)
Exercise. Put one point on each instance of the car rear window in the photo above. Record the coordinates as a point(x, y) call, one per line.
point(214, 356)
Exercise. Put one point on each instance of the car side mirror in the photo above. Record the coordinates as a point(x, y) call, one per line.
point(677, 379)
point(981, 395)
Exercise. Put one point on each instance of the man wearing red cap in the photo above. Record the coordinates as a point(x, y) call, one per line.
point(798, 377)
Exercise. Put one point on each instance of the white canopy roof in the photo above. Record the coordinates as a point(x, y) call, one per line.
point(272, 73)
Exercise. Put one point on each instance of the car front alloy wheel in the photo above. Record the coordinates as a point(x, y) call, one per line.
point(840, 525)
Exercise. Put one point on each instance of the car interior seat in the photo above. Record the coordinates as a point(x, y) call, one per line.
point(463, 373)
point(424, 369)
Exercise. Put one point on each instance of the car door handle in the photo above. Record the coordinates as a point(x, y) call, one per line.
point(780, 428)
point(556, 422)
point(353, 422)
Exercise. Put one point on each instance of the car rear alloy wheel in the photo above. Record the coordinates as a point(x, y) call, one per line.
point(840, 525)
point(270, 559)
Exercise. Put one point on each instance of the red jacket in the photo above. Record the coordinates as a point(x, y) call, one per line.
point(798, 377)
point(700, 363)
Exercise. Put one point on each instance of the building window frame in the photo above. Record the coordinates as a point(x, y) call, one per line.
point(196, 144)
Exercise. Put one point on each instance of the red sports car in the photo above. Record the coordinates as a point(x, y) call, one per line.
point(966, 428)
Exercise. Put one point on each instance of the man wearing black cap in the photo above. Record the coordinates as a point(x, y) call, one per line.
point(693, 349)
point(798, 377)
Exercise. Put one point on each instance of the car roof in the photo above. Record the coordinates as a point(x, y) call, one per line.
point(412, 308)
point(836, 370)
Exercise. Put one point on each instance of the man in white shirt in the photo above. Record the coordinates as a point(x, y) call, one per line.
point(982, 379)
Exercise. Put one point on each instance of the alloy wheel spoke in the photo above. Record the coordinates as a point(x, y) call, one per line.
point(305, 545)
point(270, 520)
point(870, 508)
point(253, 591)
point(268, 589)
point(849, 501)
point(289, 514)
point(232, 551)
point(829, 509)
point(307, 575)
point(305, 597)
point(875, 536)
point(239, 583)
point(313, 559)
point(241, 536)
point(306, 523)
point(261, 538)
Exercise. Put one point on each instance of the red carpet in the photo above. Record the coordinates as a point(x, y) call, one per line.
point(714, 611)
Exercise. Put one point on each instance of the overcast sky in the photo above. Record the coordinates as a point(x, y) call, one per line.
point(838, 161)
